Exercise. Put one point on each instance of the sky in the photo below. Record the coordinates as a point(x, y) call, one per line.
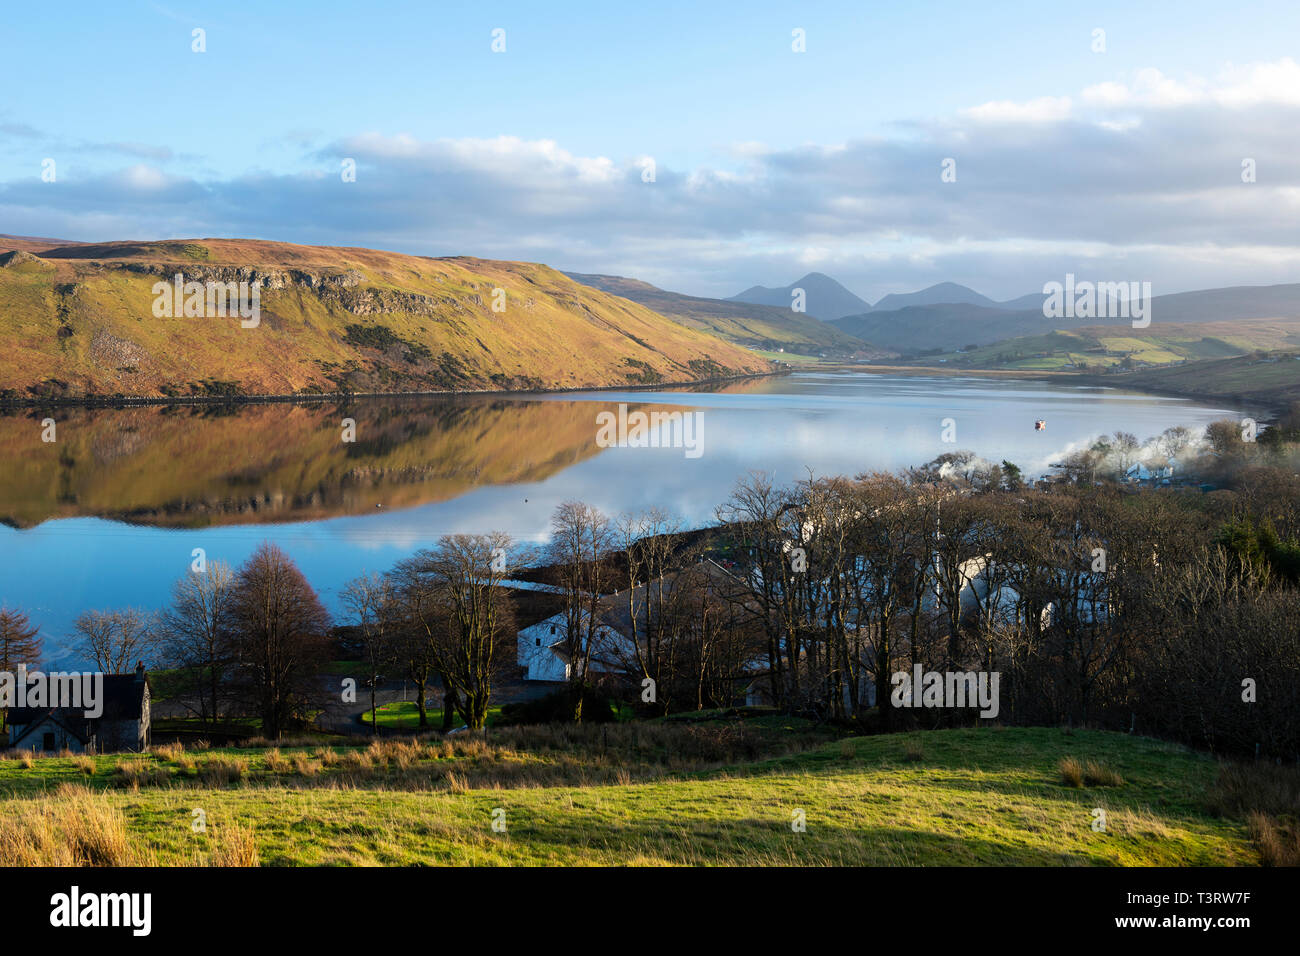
point(1116, 156)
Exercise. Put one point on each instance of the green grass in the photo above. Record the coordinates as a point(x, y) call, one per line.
point(794, 358)
point(983, 796)
point(404, 715)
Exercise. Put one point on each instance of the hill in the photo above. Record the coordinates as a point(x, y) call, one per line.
point(574, 796)
point(823, 297)
point(78, 321)
point(756, 326)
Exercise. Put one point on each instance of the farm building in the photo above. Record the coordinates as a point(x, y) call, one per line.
point(123, 724)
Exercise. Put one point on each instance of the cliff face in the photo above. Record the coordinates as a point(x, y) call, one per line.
point(79, 321)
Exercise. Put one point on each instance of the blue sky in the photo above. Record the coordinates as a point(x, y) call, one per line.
point(1123, 164)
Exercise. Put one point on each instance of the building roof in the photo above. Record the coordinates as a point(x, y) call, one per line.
point(39, 718)
point(123, 700)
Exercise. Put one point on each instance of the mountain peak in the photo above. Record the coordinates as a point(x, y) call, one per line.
point(824, 298)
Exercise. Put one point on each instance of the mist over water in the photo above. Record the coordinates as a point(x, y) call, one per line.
point(109, 516)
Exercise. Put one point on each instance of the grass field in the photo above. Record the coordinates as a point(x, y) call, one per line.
point(691, 794)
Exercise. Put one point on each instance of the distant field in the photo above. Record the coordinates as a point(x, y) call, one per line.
point(792, 357)
point(983, 796)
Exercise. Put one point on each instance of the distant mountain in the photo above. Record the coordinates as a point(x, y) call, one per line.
point(84, 320)
point(945, 293)
point(756, 326)
point(824, 298)
point(921, 327)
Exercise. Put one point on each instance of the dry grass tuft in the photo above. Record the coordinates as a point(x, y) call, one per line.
point(75, 826)
point(168, 752)
point(1090, 774)
point(1071, 772)
point(134, 774)
point(235, 846)
point(222, 771)
point(1268, 797)
point(275, 762)
point(1099, 775)
point(304, 766)
point(1278, 840)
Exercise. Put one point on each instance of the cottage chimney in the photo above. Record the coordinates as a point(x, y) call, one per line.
point(139, 671)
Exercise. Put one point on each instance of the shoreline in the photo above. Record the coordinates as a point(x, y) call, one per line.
point(1269, 406)
point(139, 401)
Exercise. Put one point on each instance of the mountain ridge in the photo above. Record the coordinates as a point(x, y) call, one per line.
point(748, 324)
point(77, 321)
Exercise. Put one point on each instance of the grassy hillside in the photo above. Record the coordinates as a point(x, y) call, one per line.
point(77, 320)
point(1272, 379)
point(1102, 347)
point(757, 326)
point(642, 794)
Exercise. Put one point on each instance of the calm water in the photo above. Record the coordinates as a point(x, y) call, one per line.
point(109, 514)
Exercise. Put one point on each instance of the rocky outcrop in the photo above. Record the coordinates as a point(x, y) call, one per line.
point(19, 258)
point(269, 278)
point(337, 288)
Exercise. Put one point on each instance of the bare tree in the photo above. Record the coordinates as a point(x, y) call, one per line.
point(453, 593)
point(373, 604)
point(195, 637)
point(115, 640)
point(280, 632)
point(581, 538)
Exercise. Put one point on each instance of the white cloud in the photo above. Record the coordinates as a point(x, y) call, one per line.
point(1140, 174)
point(1043, 109)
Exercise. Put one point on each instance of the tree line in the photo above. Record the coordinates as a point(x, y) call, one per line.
point(1168, 612)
